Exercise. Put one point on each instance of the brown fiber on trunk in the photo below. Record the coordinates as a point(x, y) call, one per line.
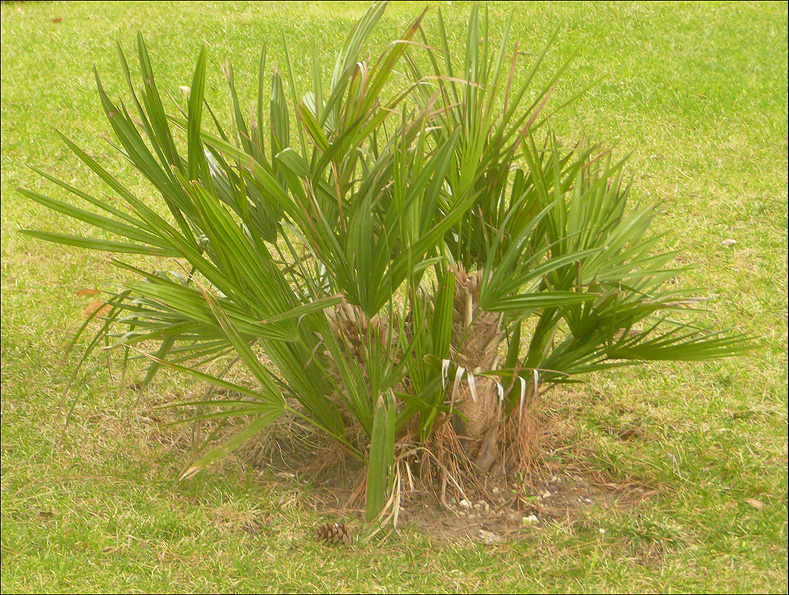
point(476, 336)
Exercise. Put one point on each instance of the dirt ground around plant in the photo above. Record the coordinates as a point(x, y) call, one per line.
point(493, 511)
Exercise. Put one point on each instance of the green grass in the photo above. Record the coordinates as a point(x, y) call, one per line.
point(697, 94)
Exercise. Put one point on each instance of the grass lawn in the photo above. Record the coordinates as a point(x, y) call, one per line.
point(697, 93)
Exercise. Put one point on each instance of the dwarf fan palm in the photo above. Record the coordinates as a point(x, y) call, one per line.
point(381, 261)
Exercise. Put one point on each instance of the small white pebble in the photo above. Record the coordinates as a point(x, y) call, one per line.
point(465, 504)
point(489, 537)
point(728, 242)
point(530, 520)
point(602, 531)
point(587, 500)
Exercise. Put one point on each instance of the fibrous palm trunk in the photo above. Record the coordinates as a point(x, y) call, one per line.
point(476, 336)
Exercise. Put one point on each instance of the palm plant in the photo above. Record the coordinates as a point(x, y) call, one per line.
point(414, 263)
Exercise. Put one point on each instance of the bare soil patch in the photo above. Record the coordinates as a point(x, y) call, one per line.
point(496, 510)
point(310, 471)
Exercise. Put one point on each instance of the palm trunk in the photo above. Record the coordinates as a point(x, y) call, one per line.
point(476, 336)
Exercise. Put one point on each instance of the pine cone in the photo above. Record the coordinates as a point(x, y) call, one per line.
point(334, 533)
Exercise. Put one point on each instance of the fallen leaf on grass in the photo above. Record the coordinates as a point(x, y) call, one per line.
point(57, 20)
point(86, 292)
point(757, 504)
point(101, 308)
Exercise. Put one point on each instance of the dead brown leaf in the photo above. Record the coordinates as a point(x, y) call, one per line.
point(98, 306)
point(86, 292)
point(757, 504)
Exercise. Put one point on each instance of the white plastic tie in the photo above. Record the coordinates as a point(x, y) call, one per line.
point(523, 393)
point(444, 373)
point(473, 386)
point(458, 378)
point(536, 382)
